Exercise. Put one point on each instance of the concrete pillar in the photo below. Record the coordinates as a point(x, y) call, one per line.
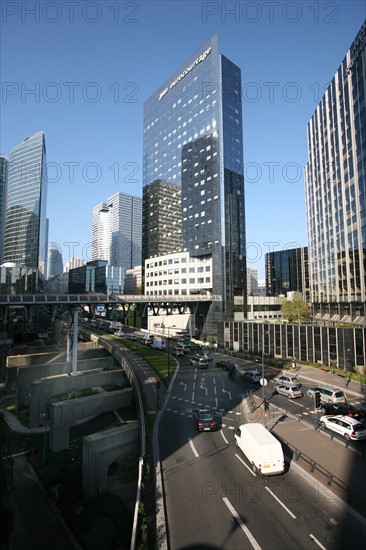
point(69, 337)
point(75, 342)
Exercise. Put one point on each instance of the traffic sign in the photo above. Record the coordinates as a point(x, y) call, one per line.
point(263, 381)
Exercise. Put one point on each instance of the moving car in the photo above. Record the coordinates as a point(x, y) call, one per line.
point(252, 376)
point(263, 451)
point(292, 391)
point(199, 362)
point(205, 354)
point(206, 420)
point(177, 352)
point(288, 378)
point(225, 364)
point(119, 333)
point(348, 427)
point(328, 394)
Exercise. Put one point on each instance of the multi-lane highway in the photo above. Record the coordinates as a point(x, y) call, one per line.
point(213, 499)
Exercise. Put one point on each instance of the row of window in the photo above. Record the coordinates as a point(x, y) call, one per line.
point(191, 281)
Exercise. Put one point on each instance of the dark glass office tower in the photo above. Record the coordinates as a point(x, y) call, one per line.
point(25, 240)
point(287, 271)
point(193, 138)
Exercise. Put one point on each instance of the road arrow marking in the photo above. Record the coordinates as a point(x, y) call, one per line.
point(225, 391)
point(183, 384)
point(202, 387)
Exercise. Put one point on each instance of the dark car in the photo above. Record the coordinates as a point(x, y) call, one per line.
point(346, 409)
point(206, 420)
point(225, 364)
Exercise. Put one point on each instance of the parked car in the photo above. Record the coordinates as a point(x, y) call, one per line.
point(328, 394)
point(347, 427)
point(345, 409)
point(292, 391)
point(132, 337)
point(252, 376)
point(225, 364)
point(119, 333)
point(287, 378)
point(206, 420)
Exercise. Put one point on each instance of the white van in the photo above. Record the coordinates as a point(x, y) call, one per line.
point(158, 343)
point(261, 448)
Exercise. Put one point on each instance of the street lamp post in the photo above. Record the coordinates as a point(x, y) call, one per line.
point(173, 326)
point(263, 380)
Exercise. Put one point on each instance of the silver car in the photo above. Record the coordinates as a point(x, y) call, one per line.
point(287, 378)
point(291, 391)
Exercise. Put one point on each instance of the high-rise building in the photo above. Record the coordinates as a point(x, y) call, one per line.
point(287, 271)
point(161, 219)
point(25, 239)
point(73, 263)
point(117, 231)
point(335, 179)
point(193, 139)
point(3, 185)
point(54, 261)
point(252, 282)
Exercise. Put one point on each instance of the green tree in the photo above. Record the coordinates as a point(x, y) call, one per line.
point(295, 311)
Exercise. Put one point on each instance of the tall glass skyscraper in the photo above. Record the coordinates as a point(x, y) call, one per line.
point(25, 240)
point(335, 178)
point(117, 229)
point(193, 138)
point(3, 185)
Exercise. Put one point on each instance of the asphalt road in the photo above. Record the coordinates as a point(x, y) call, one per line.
point(213, 500)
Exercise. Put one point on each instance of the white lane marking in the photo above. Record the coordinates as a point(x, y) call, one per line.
point(247, 467)
point(217, 403)
point(193, 448)
point(317, 542)
point(224, 438)
point(192, 399)
point(215, 390)
point(281, 503)
point(241, 523)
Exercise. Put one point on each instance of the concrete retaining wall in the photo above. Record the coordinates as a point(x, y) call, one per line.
point(42, 390)
point(64, 414)
point(100, 450)
point(27, 375)
point(14, 362)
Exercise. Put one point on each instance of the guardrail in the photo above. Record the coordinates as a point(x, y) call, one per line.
point(352, 496)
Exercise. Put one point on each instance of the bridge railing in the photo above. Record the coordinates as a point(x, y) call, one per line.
point(64, 299)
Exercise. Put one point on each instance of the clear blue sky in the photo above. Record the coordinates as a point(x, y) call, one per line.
point(91, 65)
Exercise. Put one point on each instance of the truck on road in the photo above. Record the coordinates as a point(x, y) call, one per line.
point(263, 451)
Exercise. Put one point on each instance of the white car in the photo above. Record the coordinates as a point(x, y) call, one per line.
point(178, 352)
point(292, 391)
point(205, 355)
point(119, 333)
point(287, 378)
point(346, 426)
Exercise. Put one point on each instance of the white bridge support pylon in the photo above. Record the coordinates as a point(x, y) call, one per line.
point(72, 338)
